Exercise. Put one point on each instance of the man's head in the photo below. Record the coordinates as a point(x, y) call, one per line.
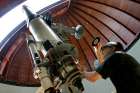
point(111, 47)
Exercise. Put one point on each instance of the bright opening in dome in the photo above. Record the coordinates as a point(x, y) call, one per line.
point(16, 16)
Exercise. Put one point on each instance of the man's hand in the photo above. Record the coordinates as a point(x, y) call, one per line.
point(99, 55)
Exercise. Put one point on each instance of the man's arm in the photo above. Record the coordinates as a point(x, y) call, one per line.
point(92, 76)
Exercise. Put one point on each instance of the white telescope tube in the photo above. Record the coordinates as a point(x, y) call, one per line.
point(42, 32)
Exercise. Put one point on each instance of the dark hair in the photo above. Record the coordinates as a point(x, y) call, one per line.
point(119, 46)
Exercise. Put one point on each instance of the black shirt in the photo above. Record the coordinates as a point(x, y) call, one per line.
point(124, 72)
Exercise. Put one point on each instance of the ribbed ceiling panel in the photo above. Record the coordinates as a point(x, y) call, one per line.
point(111, 20)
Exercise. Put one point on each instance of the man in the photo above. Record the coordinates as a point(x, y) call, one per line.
point(123, 69)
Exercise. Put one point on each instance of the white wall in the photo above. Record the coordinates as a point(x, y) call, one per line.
point(15, 89)
point(101, 86)
point(135, 51)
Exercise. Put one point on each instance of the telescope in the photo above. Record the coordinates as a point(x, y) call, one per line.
point(57, 70)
